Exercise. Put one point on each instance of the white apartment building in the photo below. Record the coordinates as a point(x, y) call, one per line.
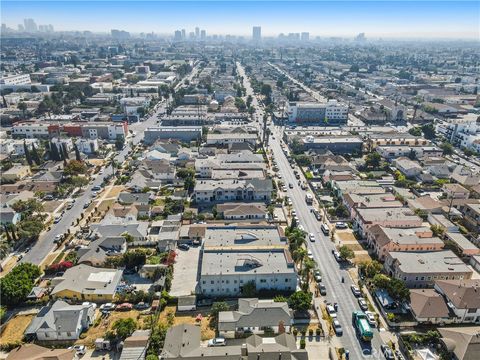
point(15, 81)
point(30, 130)
point(331, 112)
point(87, 146)
point(462, 132)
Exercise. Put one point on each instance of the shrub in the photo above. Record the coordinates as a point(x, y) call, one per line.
point(303, 344)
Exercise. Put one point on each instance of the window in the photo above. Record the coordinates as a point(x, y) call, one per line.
point(263, 280)
point(69, 334)
point(212, 282)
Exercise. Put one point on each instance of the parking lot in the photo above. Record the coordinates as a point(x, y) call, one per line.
point(185, 271)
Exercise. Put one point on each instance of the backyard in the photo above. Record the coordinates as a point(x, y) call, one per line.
point(14, 329)
point(187, 318)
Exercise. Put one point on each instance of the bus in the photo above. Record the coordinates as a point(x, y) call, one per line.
point(309, 199)
point(362, 326)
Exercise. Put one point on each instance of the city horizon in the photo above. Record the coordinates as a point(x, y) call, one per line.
point(321, 19)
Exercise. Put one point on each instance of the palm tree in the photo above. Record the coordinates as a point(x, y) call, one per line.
point(308, 266)
point(299, 255)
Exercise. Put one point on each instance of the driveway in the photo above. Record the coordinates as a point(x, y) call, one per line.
point(185, 271)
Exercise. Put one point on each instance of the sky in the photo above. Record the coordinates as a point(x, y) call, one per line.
point(385, 19)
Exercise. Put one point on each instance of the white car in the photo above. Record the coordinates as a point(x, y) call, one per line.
point(79, 349)
point(311, 236)
point(355, 290)
point(217, 342)
point(309, 254)
point(371, 318)
point(331, 311)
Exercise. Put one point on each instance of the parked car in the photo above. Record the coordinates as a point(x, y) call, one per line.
point(337, 256)
point(70, 205)
point(124, 307)
point(363, 304)
point(311, 236)
point(331, 311)
point(387, 352)
point(355, 290)
point(371, 318)
point(318, 278)
point(183, 247)
point(87, 204)
point(399, 355)
point(323, 289)
point(341, 225)
point(58, 238)
point(96, 188)
point(141, 306)
point(107, 307)
point(290, 185)
point(217, 342)
point(79, 349)
point(337, 327)
point(57, 219)
point(325, 229)
point(309, 254)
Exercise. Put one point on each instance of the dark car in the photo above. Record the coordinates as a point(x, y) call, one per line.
point(183, 247)
point(323, 289)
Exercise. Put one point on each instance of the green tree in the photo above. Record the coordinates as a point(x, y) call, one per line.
point(18, 283)
point(22, 107)
point(27, 207)
point(35, 156)
point(249, 289)
point(119, 143)
point(124, 328)
point(75, 167)
point(77, 152)
point(28, 157)
point(415, 131)
point(373, 160)
point(428, 131)
point(437, 230)
point(300, 300)
point(30, 229)
point(373, 268)
point(346, 252)
point(447, 148)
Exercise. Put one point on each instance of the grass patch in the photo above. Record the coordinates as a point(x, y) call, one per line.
point(14, 329)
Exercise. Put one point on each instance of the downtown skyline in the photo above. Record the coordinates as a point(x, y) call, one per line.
point(378, 19)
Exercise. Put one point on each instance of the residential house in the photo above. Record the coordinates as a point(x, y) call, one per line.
point(9, 216)
point(97, 252)
point(137, 230)
point(36, 352)
point(426, 204)
point(429, 307)
point(384, 240)
point(408, 167)
point(422, 269)
point(255, 316)
point(241, 211)
point(462, 342)
point(183, 342)
point(463, 298)
point(61, 322)
point(135, 346)
point(15, 173)
point(371, 201)
point(455, 191)
point(87, 283)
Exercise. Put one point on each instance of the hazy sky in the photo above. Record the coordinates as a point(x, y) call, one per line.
point(411, 19)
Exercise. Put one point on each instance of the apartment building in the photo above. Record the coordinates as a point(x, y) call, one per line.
point(384, 240)
point(329, 113)
point(213, 191)
point(233, 256)
point(391, 217)
point(422, 269)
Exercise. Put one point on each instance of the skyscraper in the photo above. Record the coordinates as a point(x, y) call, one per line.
point(184, 34)
point(197, 32)
point(30, 25)
point(203, 34)
point(257, 33)
point(178, 35)
point(305, 36)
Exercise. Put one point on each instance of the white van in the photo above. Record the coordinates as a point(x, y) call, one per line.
point(325, 229)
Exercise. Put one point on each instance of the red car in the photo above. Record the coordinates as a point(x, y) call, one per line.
point(124, 307)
